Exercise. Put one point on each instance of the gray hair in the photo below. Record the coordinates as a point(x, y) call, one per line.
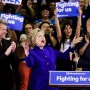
point(23, 37)
point(3, 21)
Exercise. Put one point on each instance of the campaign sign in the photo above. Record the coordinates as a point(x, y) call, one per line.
point(14, 22)
point(17, 2)
point(69, 78)
point(67, 9)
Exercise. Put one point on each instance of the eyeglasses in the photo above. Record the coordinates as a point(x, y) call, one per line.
point(45, 11)
point(52, 5)
point(28, 28)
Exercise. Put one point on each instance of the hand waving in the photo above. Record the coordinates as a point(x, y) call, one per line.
point(77, 40)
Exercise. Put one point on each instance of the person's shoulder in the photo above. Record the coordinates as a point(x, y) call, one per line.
point(31, 51)
point(6, 41)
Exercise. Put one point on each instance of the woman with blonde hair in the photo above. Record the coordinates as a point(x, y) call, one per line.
point(42, 59)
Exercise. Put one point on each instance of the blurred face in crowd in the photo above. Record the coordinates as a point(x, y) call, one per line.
point(45, 13)
point(82, 4)
point(36, 25)
point(23, 12)
point(28, 28)
point(45, 26)
point(88, 25)
point(52, 6)
point(68, 31)
point(9, 11)
point(40, 39)
point(3, 31)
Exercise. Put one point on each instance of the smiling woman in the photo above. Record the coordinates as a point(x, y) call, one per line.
point(3, 29)
point(33, 35)
point(42, 59)
point(7, 57)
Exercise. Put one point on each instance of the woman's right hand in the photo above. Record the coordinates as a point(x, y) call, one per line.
point(26, 47)
point(11, 48)
point(8, 51)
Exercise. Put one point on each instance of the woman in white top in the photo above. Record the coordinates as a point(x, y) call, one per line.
point(65, 38)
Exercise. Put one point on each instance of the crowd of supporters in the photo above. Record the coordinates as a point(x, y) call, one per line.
point(45, 43)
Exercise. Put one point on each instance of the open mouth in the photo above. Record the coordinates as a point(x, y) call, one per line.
point(69, 32)
point(42, 41)
point(45, 15)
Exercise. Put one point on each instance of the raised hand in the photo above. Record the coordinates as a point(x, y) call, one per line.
point(77, 40)
point(13, 44)
point(8, 51)
point(55, 12)
point(26, 47)
point(29, 3)
point(80, 12)
point(76, 58)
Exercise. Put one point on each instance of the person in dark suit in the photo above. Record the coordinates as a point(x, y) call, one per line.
point(83, 61)
point(7, 55)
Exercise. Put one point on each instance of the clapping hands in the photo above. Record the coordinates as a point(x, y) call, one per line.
point(11, 48)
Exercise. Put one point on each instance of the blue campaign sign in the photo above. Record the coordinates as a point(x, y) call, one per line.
point(17, 2)
point(67, 9)
point(14, 22)
point(69, 78)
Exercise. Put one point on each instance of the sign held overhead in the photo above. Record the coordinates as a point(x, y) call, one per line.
point(17, 2)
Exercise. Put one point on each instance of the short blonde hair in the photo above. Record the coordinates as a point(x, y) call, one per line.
point(33, 35)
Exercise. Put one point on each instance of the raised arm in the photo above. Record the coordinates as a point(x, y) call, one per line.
point(53, 40)
point(78, 24)
point(81, 51)
point(58, 29)
point(30, 8)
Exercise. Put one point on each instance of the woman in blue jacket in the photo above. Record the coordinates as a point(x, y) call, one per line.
point(41, 59)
